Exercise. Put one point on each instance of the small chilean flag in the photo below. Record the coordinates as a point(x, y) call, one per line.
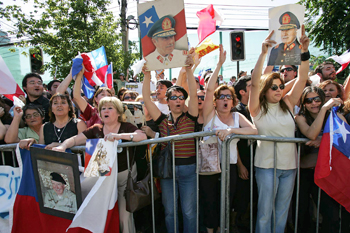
point(343, 60)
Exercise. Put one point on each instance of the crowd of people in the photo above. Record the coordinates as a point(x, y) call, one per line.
point(265, 103)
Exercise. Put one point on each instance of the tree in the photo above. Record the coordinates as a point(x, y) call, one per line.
point(328, 25)
point(68, 27)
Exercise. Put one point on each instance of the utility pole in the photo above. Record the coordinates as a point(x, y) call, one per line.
point(124, 25)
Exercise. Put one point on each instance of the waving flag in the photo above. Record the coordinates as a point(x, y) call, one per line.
point(8, 86)
point(332, 170)
point(108, 82)
point(209, 21)
point(343, 60)
point(88, 90)
point(201, 79)
point(95, 64)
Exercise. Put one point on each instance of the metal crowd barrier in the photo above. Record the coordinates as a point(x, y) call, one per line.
point(225, 167)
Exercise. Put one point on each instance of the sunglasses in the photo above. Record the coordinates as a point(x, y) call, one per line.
point(201, 97)
point(229, 97)
point(129, 97)
point(286, 69)
point(274, 87)
point(28, 116)
point(317, 99)
point(174, 97)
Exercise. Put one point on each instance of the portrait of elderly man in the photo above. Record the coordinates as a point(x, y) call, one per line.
point(58, 197)
point(165, 55)
point(287, 52)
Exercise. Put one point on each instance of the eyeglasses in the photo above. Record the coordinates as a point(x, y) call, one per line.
point(201, 97)
point(29, 116)
point(286, 69)
point(317, 99)
point(274, 87)
point(174, 97)
point(229, 97)
point(33, 83)
point(129, 97)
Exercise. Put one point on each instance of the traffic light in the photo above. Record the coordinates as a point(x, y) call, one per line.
point(36, 61)
point(237, 46)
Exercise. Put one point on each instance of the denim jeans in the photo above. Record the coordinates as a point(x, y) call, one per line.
point(185, 184)
point(284, 191)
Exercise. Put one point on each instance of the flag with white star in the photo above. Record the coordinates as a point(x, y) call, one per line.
point(332, 170)
point(147, 19)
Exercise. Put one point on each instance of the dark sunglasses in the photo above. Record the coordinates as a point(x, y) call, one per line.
point(286, 69)
point(317, 99)
point(174, 97)
point(201, 97)
point(229, 97)
point(274, 87)
point(129, 97)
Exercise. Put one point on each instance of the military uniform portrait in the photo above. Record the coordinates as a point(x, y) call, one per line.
point(288, 51)
point(163, 33)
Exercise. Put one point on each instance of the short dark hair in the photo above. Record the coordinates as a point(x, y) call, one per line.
point(176, 88)
point(38, 108)
point(295, 68)
point(49, 85)
point(240, 73)
point(241, 84)
point(321, 66)
point(167, 83)
point(30, 75)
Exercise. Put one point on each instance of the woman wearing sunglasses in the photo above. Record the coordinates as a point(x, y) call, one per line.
point(129, 96)
point(217, 107)
point(271, 113)
point(311, 119)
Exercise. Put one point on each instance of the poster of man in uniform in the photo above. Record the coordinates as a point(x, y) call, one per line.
point(57, 182)
point(163, 34)
point(286, 22)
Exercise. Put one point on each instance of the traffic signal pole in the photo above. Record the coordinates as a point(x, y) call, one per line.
point(237, 69)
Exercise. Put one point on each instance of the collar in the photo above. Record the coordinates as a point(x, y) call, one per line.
point(289, 46)
point(171, 119)
point(162, 59)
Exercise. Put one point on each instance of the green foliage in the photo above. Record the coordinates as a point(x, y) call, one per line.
point(68, 27)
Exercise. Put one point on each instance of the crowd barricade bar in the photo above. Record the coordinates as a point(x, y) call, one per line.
point(225, 180)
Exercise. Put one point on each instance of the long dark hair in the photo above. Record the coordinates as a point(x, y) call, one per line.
point(265, 84)
point(303, 110)
point(71, 113)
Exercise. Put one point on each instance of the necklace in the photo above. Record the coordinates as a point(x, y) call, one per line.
point(59, 130)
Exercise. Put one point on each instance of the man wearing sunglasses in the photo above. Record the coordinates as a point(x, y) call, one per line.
point(288, 72)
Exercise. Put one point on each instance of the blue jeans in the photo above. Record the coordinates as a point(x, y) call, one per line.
point(284, 191)
point(185, 184)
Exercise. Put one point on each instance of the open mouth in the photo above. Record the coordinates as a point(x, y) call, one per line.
point(225, 105)
point(106, 116)
point(178, 105)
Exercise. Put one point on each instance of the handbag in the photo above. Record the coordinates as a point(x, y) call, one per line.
point(138, 193)
point(208, 155)
point(162, 161)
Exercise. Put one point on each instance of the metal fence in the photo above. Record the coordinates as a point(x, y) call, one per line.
point(225, 178)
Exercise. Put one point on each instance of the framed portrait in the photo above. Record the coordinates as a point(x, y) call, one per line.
point(134, 114)
point(163, 33)
point(286, 21)
point(57, 182)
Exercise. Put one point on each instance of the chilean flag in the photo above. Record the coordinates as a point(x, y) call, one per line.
point(95, 64)
point(88, 90)
point(8, 86)
point(209, 21)
point(343, 60)
point(108, 82)
point(150, 16)
point(201, 79)
point(332, 170)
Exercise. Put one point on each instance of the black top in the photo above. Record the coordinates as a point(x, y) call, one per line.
point(54, 134)
point(44, 103)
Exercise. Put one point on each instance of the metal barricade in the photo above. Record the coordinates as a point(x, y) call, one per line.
point(225, 177)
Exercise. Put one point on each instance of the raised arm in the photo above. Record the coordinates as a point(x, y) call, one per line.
point(12, 132)
point(294, 95)
point(146, 93)
point(182, 79)
point(346, 88)
point(192, 86)
point(208, 107)
point(65, 83)
point(253, 102)
point(79, 100)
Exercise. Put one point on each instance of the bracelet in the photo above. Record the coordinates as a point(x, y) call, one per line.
point(305, 56)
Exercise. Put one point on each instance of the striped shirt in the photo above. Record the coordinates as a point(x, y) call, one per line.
point(184, 124)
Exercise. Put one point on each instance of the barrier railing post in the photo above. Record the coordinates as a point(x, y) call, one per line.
point(223, 186)
point(197, 179)
point(228, 201)
point(318, 209)
point(152, 187)
point(297, 194)
point(174, 190)
point(274, 185)
point(251, 175)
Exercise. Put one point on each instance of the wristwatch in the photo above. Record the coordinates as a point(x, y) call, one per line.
point(131, 137)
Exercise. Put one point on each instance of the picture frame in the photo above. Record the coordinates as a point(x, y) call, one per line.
point(57, 180)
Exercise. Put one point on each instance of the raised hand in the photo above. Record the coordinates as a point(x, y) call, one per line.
point(267, 43)
point(222, 56)
point(304, 40)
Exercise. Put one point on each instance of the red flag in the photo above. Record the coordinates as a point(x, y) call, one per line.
point(209, 20)
point(332, 170)
point(343, 60)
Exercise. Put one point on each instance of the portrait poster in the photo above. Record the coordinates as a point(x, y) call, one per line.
point(99, 157)
point(163, 33)
point(286, 21)
point(137, 87)
point(57, 182)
